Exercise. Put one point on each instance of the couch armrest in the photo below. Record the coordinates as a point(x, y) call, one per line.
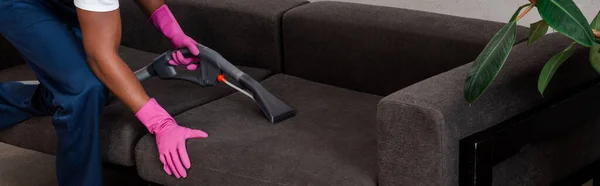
point(349, 45)
point(9, 56)
point(245, 32)
point(420, 126)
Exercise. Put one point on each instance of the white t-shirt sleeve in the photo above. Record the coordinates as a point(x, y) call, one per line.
point(97, 5)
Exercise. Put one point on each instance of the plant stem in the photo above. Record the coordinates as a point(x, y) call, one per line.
point(534, 2)
point(525, 12)
point(596, 33)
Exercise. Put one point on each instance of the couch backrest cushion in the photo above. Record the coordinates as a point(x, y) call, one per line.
point(377, 49)
point(245, 32)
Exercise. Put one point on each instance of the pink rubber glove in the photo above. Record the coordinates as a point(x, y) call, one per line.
point(165, 22)
point(170, 137)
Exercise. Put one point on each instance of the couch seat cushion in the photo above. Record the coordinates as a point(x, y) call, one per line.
point(119, 130)
point(331, 141)
point(25, 167)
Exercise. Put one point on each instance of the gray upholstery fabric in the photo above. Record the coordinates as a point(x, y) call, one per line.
point(419, 127)
point(245, 32)
point(35, 134)
point(20, 72)
point(9, 56)
point(354, 45)
point(330, 142)
point(25, 167)
point(120, 130)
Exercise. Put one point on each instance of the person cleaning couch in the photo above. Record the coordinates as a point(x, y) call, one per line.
point(72, 47)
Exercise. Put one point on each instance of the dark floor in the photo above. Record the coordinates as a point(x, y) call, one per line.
point(20, 167)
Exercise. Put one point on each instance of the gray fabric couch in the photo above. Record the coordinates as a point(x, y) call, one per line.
point(378, 92)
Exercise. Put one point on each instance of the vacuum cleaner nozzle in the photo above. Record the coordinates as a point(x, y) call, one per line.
point(274, 109)
point(212, 64)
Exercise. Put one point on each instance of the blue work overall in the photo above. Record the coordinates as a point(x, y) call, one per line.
point(47, 34)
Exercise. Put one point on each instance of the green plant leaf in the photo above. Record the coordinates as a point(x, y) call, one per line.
point(552, 65)
point(596, 22)
point(537, 31)
point(489, 62)
point(595, 57)
point(566, 18)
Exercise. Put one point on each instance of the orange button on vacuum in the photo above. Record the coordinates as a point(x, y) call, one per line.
point(221, 78)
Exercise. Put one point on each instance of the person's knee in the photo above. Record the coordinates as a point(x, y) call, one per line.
point(88, 91)
point(82, 105)
point(95, 89)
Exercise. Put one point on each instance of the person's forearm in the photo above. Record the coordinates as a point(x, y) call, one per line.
point(119, 79)
point(149, 6)
point(101, 38)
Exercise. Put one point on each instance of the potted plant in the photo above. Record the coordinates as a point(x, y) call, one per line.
point(563, 16)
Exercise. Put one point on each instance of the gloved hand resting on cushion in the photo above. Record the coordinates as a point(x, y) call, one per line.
point(170, 137)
